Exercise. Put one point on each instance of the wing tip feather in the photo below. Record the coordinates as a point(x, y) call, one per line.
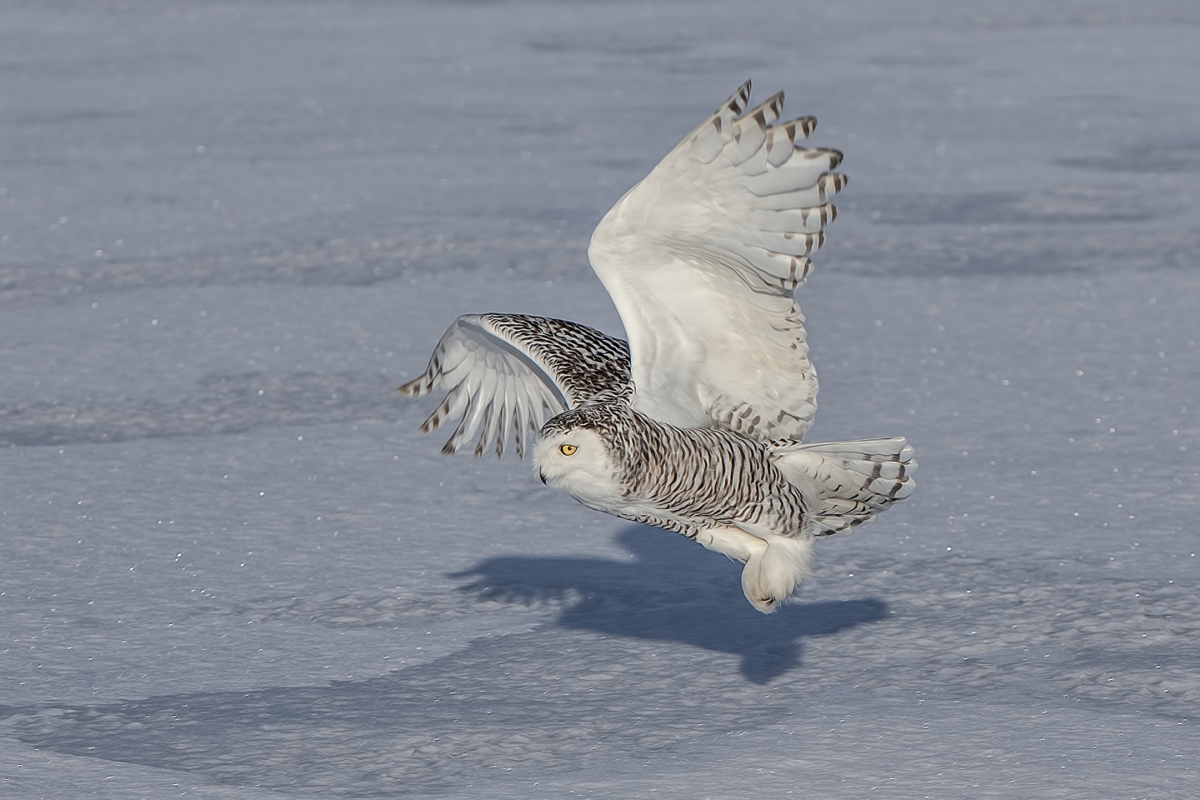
point(417, 387)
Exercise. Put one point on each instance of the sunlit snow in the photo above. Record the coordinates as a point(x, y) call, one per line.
point(230, 567)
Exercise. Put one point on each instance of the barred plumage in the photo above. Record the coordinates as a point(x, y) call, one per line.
point(507, 372)
point(694, 478)
point(761, 503)
point(695, 424)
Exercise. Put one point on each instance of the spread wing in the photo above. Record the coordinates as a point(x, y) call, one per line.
point(505, 374)
point(701, 258)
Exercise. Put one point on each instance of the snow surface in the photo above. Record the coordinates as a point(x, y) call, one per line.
point(231, 568)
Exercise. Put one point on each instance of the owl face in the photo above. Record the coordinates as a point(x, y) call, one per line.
point(576, 460)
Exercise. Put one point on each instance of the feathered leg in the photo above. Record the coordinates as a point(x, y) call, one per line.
point(732, 542)
point(774, 571)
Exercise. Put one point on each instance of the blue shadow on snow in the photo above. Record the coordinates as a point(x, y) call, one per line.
point(670, 590)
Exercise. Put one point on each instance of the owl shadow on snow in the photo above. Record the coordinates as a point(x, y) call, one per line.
point(669, 590)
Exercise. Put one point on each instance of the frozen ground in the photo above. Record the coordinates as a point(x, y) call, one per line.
point(231, 568)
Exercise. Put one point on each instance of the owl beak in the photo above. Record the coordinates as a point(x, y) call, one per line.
point(542, 476)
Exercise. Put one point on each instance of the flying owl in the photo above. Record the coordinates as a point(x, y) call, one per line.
point(696, 424)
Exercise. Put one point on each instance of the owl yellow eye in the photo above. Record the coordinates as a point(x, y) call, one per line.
point(567, 449)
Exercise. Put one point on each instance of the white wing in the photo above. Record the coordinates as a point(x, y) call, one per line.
point(508, 373)
point(701, 258)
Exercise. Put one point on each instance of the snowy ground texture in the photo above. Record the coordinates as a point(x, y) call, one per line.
point(231, 568)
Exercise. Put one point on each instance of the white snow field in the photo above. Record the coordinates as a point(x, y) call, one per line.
point(230, 567)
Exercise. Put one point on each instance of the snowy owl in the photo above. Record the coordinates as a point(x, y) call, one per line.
point(696, 424)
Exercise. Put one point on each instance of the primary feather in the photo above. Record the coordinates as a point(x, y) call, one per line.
point(507, 372)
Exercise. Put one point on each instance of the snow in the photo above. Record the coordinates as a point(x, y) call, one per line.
point(233, 569)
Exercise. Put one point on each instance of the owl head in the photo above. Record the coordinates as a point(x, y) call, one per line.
point(576, 453)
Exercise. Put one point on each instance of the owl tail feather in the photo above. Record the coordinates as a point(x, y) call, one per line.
point(844, 484)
